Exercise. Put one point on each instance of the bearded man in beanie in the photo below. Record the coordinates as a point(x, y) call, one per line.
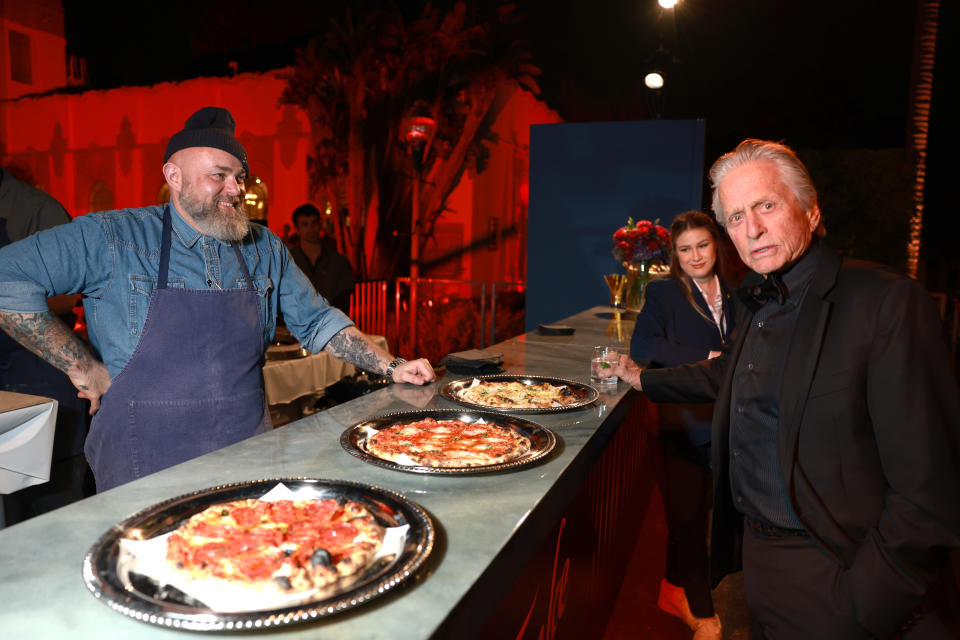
point(181, 303)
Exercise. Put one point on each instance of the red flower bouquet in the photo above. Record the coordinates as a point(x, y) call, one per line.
point(643, 241)
point(642, 248)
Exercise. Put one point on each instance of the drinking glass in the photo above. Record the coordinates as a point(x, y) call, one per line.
point(602, 357)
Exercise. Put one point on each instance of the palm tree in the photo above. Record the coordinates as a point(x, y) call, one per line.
point(358, 81)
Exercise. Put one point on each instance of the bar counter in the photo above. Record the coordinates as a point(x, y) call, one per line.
point(488, 526)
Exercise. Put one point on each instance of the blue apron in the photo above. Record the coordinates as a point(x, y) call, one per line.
point(194, 383)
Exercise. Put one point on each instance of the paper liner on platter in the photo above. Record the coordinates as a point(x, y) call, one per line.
point(148, 558)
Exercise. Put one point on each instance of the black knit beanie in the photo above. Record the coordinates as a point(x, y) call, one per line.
point(208, 127)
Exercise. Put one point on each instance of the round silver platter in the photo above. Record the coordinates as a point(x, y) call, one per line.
point(584, 393)
point(542, 440)
point(144, 599)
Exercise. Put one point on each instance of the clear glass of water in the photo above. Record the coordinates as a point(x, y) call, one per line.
point(602, 357)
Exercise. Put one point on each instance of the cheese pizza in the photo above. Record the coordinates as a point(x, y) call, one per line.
point(500, 394)
point(447, 443)
point(276, 547)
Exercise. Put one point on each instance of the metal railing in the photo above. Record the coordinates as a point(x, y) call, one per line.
point(368, 307)
point(441, 301)
point(475, 307)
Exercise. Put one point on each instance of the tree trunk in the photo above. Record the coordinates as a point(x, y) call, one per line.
point(445, 174)
point(356, 169)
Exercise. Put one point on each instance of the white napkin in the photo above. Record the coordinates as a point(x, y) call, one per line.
point(27, 426)
point(148, 558)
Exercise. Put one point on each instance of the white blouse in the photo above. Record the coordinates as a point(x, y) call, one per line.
point(715, 306)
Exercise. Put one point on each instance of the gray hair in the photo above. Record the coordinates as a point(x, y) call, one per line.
point(793, 173)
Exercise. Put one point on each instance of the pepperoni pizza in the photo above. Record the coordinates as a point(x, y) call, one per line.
point(447, 443)
point(278, 547)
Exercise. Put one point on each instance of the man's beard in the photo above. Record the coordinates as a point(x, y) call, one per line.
point(225, 225)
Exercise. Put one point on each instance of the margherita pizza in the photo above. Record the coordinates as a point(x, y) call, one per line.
point(278, 547)
point(447, 443)
point(499, 394)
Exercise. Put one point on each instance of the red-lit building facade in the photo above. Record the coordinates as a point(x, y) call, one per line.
point(98, 150)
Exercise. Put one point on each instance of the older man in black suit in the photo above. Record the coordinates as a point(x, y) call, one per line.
point(836, 428)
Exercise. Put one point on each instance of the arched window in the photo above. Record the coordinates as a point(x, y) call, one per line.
point(256, 199)
point(101, 197)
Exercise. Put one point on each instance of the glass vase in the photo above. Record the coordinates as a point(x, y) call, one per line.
point(638, 275)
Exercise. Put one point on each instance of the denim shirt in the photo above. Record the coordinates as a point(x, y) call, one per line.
point(112, 258)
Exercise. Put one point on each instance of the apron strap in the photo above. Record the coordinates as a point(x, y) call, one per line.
point(243, 266)
point(164, 249)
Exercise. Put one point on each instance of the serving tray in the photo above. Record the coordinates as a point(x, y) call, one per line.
point(542, 440)
point(584, 393)
point(144, 599)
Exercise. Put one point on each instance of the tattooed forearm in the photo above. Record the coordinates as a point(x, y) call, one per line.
point(352, 346)
point(47, 336)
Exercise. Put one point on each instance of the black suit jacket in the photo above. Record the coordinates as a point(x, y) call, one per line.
point(669, 332)
point(869, 435)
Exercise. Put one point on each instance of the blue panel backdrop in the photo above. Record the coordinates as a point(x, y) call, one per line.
point(585, 181)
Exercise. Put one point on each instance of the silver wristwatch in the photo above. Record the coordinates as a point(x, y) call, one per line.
point(393, 365)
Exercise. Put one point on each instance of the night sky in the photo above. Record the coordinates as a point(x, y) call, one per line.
point(816, 74)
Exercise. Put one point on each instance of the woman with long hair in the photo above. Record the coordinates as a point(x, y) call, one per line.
point(687, 317)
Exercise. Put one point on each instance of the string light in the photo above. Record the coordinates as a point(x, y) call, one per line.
point(923, 93)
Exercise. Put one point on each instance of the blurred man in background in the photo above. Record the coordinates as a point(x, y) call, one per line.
point(317, 256)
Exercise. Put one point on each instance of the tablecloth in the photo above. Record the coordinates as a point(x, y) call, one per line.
point(287, 380)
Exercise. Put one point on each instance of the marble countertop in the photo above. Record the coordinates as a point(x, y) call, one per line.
point(485, 523)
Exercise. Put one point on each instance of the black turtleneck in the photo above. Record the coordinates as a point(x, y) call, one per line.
point(755, 480)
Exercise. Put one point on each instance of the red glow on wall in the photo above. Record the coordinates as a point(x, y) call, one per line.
point(104, 149)
point(524, 191)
